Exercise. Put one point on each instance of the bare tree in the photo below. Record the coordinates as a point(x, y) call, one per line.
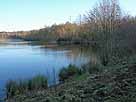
point(104, 21)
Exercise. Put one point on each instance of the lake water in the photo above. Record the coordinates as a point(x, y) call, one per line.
point(23, 60)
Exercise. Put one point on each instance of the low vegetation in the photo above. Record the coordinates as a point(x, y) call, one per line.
point(14, 88)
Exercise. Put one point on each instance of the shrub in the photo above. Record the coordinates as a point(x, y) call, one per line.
point(72, 70)
point(69, 72)
point(63, 75)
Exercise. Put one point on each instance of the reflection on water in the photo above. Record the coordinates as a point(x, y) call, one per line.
point(22, 60)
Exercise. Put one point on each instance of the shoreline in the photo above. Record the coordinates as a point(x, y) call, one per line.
point(101, 85)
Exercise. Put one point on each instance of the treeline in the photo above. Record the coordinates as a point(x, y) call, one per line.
point(105, 21)
point(105, 26)
point(68, 32)
point(111, 31)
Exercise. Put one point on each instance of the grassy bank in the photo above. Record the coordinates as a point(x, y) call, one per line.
point(114, 84)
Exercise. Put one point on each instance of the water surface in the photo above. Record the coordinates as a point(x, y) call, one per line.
point(23, 60)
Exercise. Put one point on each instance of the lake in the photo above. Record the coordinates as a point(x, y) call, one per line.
point(24, 60)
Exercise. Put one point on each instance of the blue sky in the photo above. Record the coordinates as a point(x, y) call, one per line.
point(34, 14)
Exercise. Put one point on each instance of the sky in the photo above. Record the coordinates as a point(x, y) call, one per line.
point(17, 15)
